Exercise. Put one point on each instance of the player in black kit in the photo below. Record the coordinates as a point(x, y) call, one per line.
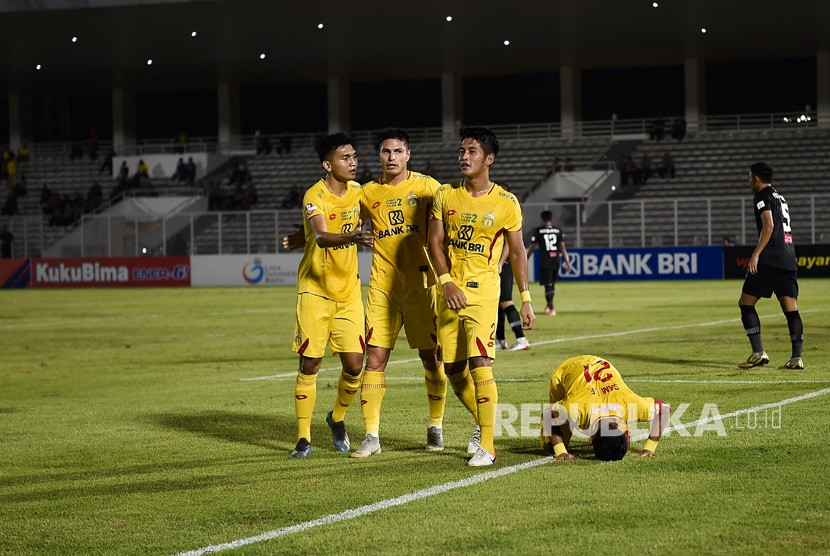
point(551, 243)
point(771, 269)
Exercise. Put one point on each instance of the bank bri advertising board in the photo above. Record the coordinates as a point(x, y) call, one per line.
point(653, 263)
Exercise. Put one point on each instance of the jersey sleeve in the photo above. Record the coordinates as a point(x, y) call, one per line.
point(438, 204)
point(514, 215)
point(312, 203)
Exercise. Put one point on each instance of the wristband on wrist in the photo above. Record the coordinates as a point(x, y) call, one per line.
point(444, 278)
point(650, 445)
point(525, 295)
point(559, 449)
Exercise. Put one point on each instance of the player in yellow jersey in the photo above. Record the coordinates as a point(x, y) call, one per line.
point(588, 393)
point(329, 308)
point(469, 222)
point(401, 291)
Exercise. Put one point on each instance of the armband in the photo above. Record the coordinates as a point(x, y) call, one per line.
point(559, 449)
point(525, 295)
point(650, 445)
point(444, 278)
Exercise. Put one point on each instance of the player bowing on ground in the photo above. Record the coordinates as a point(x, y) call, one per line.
point(466, 235)
point(401, 291)
point(588, 393)
point(329, 308)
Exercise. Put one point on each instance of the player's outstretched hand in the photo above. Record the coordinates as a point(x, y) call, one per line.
point(643, 454)
point(361, 236)
point(528, 317)
point(295, 240)
point(563, 457)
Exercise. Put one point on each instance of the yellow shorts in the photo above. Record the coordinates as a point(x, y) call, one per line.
point(321, 321)
point(469, 332)
point(387, 312)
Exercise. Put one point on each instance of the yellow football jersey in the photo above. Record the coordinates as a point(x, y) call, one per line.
point(399, 221)
point(330, 272)
point(589, 387)
point(474, 230)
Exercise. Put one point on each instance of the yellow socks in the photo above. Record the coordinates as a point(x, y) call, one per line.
point(371, 398)
point(462, 385)
point(487, 396)
point(347, 388)
point(305, 396)
point(436, 383)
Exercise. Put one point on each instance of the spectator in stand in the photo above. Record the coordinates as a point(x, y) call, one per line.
point(727, 242)
point(263, 143)
point(678, 128)
point(569, 165)
point(11, 174)
point(7, 155)
point(666, 166)
point(181, 172)
point(291, 199)
point(142, 174)
point(93, 144)
point(285, 144)
point(622, 167)
point(107, 164)
point(58, 209)
point(645, 168)
point(94, 197)
point(251, 194)
point(190, 167)
point(23, 153)
point(234, 178)
point(46, 198)
point(10, 206)
point(632, 170)
point(216, 196)
point(6, 240)
point(181, 143)
point(657, 129)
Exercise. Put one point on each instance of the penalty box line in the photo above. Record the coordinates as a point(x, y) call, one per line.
point(462, 483)
point(293, 374)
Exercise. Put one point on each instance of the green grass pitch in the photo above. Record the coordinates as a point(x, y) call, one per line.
point(129, 425)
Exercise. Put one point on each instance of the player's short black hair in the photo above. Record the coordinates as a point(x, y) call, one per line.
point(610, 444)
point(762, 170)
point(393, 133)
point(547, 216)
point(330, 143)
point(486, 138)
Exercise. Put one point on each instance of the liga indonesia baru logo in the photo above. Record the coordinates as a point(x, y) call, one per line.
point(253, 272)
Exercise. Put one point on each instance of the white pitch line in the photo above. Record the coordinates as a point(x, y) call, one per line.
point(555, 341)
point(475, 479)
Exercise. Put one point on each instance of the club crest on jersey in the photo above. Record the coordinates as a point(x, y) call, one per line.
point(451, 212)
point(310, 208)
point(412, 200)
point(376, 204)
point(488, 220)
point(332, 216)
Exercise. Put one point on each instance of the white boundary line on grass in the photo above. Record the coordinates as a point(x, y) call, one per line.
point(555, 341)
point(438, 489)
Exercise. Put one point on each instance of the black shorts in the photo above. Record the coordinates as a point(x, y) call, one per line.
point(769, 280)
point(548, 274)
point(506, 277)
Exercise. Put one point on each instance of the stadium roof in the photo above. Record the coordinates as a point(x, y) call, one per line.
point(371, 40)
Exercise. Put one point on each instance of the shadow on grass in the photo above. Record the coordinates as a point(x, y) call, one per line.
point(253, 429)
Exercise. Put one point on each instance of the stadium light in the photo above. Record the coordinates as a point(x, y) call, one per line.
point(149, 61)
point(506, 43)
point(193, 34)
point(703, 30)
point(654, 4)
point(449, 18)
point(320, 25)
point(262, 56)
point(74, 39)
point(38, 67)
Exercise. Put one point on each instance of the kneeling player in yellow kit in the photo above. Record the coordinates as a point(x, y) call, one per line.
point(588, 393)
